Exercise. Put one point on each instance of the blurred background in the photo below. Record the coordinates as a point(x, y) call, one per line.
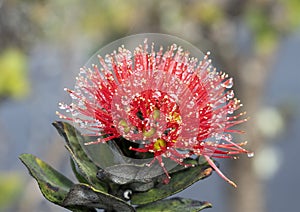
point(44, 43)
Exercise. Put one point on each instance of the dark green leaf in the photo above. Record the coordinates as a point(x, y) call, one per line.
point(86, 167)
point(85, 195)
point(174, 205)
point(128, 173)
point(124, 146)
point(179, 181)
point(53, 184)
point(187, 161)
point(78, 176)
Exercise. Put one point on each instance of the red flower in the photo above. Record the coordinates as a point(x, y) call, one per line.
point(168, 102)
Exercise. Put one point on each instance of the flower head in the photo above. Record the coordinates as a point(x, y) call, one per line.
point(171, 104)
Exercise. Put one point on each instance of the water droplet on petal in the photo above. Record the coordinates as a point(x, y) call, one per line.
point(227, 137)
point(230, 94)
point(62, 106)
point(73, 96)
point(228, 83)
point(191, 104)
point(218, 136)
point(230, 110)
point(250, 154)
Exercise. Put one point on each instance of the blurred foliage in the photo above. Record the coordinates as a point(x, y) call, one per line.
point(291, 17)
point(270, 19)
point(10, 187)
point(17, 29)
point(265, 34)
point(96, 19)
point(16, 33)
point(104, 21)
point(206, 12)
point(13, 71)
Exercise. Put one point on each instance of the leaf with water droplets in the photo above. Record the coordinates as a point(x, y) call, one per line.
point(228, 83)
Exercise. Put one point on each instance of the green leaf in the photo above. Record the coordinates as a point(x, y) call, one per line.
point(78, 176)
point(178, 182)
point(175, 204)
point(54, 186)
point(85, 195)
point(86, 167)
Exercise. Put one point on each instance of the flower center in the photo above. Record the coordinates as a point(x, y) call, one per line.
point(152, 117)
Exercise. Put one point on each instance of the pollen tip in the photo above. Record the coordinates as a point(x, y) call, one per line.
point(68, 90)
point(232, 183)
point(92, 142)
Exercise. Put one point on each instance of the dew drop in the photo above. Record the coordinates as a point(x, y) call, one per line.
point(75, 113)
point(82, 71)
point(230, 110)
point(73, 96)
point(80, 103)
point(250, 154)
point(228, 83)
point(227, 137)
point(230, 94)
point(62, 106)
point(217, 87)
point(191, 104)
point(221, 100)
point(211, 75)
point(218, 136)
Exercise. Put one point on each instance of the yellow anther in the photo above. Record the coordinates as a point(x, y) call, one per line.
point(125, 126)
point(156, 114)
point(123, 123)
point(149, 133)
point(176, 117)
point(159, 143)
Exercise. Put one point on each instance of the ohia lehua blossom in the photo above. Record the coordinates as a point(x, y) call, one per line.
point(166, 98)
